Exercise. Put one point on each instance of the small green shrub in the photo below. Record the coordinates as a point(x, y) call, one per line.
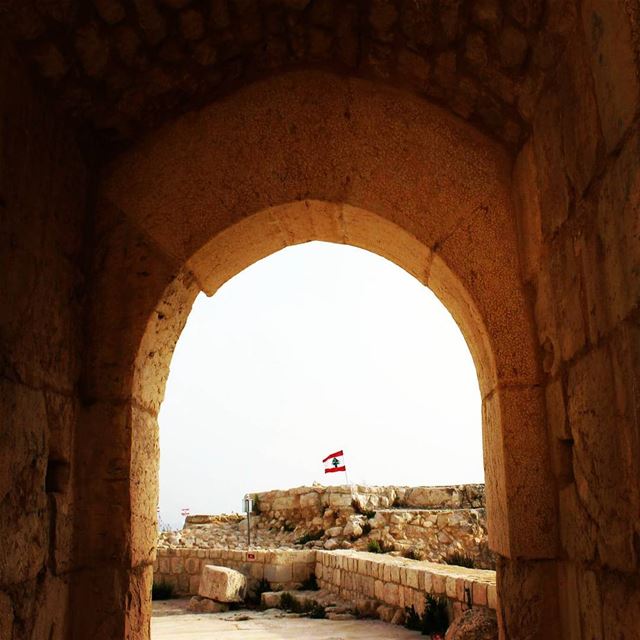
point(316, 611)
point(435, 618)
point(254, 597)
point(310, 584)
point(310, 537)
point(436, 615)
point(412, 621)
point(162, 591)
point(410, 554)
point(460, 559)
point(373, 546)
point(256, 504)
point(377, 546)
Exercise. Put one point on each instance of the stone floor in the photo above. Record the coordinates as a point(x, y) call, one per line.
point(171, 622)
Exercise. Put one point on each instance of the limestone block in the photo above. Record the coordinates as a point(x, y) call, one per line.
point(271, 599)
point(427, 580)
point(331, 544)
point(608, 30)
point(222, 584)
point(283, 503)
point(614, 261)
point(310, 500)
point(192, 565)
point(607, 484)
point(474, 624)
point(340, 501)
point(278, 573)
point(183, 583)
point(6, 616)
point(386, 612)
point(479, 594)
point(300, 571)
point(390, 594)
point(425, 497)
point(492, 596)
point(352, 529)
point(590, 604)
point(256, 570)
point(450, 587)
point(439, 583)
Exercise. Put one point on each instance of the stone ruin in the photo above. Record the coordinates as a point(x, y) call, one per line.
point(325, 536)
point(154, 149)
point(424, 523)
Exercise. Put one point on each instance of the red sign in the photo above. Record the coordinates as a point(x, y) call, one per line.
point(251, 557)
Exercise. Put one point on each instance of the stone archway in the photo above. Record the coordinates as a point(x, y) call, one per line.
point(300, 157)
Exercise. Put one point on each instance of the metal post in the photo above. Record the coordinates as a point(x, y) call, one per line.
point(248, 507)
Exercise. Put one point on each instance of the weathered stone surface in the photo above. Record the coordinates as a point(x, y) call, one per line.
point(271, 599)
point(222, 584)
point(609, 31)
point(266, 38)
point(79, 287)
point(199, 604)
point(428, 533)
point(474, 624)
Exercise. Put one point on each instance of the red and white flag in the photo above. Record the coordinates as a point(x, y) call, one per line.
point(334, 462)
point(184, 511)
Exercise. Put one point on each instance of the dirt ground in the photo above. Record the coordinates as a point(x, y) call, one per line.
point(171, 621)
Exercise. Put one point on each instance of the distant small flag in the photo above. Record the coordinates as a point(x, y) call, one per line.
point(184, 511)
point(334, 462)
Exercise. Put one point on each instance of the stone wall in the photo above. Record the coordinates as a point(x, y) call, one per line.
point(435, 535)
point(552, 323)
point(309, 502)
point(181, 568)
point(350, 517)
point(352, 575)
point(43, 185)
point(401, 583)
point(577, 187)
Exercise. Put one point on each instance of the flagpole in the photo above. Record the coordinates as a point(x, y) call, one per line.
point(344, 461)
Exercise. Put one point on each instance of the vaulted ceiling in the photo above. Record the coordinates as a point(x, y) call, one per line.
point(119, 67)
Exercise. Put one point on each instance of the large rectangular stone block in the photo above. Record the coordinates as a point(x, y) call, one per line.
point(222, 584)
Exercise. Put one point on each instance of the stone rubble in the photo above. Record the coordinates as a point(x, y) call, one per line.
point(427, 523)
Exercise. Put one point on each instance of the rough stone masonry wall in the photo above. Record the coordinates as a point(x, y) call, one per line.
point(577, 186)
point(306, 503)
point(430, 522)
point(354, 576)
point(43, 182)
point(401, 583)
point(182, 568)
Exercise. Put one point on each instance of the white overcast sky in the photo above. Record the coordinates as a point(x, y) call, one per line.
point(316, 348)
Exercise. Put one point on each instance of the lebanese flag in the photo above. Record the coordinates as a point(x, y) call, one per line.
point(334, 462)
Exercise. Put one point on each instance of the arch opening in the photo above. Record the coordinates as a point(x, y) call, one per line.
point(317, 343)
point(197, 203)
